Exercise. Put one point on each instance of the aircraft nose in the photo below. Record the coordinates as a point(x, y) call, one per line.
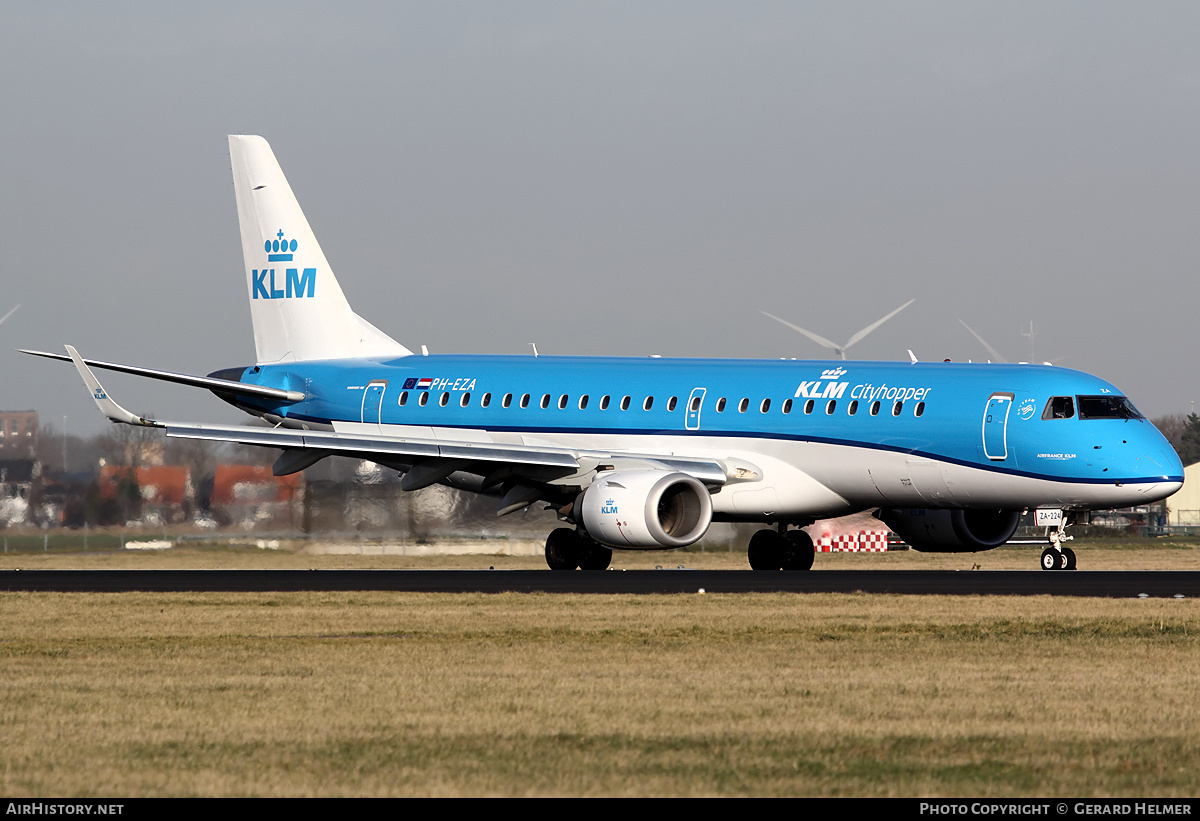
point(1168, 459)
point(1158, 455)
point(1165, 476)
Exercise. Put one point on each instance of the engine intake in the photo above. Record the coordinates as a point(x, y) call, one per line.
point(645, 509)
point(952, 531)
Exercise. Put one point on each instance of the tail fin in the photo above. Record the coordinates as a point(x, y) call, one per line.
point(296, 305)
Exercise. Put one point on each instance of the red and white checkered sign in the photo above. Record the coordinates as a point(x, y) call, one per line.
point(872, 541)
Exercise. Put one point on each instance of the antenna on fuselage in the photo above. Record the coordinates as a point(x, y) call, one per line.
point(840, 350)
point(10, 313)
point(534, 346)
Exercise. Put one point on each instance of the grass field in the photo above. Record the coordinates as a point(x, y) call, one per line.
point(454, 695)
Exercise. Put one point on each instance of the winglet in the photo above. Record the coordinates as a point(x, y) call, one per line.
point(109, 408)
point(912, 357)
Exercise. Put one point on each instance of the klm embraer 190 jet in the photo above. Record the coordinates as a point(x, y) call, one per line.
point(646, 453)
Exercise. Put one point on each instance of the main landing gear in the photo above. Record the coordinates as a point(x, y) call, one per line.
point(567, 549)
point(781, 549)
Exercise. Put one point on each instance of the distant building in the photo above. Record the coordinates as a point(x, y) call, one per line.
point(17, 477)
point(18, 434)
point(165, 491)
point(250, 495)
point(1184, 507)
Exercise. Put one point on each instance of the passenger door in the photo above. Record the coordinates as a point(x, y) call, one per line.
point(995, 426)
point(695, 403)
point(372, 403)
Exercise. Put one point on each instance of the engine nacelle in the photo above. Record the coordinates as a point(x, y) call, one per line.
point(645, 509)
point(952, 531)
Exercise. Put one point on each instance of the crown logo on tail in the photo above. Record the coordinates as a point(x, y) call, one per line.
point(279, 250)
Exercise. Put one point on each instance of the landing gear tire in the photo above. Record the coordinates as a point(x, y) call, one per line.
point(798, 551)
point(564, 549)
point(1053, 559)
point(1069, 557)
point(593, 555)
point(765, 551)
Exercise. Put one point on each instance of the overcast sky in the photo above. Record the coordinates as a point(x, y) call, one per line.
point(608, 178)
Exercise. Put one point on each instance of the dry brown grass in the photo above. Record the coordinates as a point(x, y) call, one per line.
point(412, 694)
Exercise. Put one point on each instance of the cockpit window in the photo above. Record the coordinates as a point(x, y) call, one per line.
point(1059, 407)
point(1107, 407)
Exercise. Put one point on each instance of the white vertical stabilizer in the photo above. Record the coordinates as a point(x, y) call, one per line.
point(296, 304)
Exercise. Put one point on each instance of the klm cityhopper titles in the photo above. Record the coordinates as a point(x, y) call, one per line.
point(647, 453)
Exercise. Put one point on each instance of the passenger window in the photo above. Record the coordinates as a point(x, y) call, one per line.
point(720, 405)
point(745, 403)
point(424, 398)
point(625, 403)
point(403, 397)
point(525, 400)
point(604, 402)
point(765, 406)
point(485, 400)
point(808, 406)
point(545, 401)
point(831, 407)
point(671, 404)
point(583, 400)
point(445, 398)
point(649, 403)
point(919, 410)
point(466, 399)
point(853, 409)
point(1059, 407)
point(875, 408)
point(787, 406)
point(507, 400)
point(896, 408)
point(562, 401)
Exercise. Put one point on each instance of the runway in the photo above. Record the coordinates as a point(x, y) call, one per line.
point(1103, 584)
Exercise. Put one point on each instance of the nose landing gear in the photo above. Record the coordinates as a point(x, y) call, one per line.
point(1057, 557)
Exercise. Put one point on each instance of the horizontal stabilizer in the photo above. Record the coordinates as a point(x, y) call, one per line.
point(207, 382)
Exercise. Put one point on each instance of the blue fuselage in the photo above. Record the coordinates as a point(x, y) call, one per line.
point(992, 418)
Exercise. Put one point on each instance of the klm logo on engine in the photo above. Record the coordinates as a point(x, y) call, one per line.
point(609, 507)
point(297, 283)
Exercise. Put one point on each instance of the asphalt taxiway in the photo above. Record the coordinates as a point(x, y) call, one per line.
point(1096, 583)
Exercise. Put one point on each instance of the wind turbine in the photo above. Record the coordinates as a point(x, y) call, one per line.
point(995, 354)
point(839, 349)
point(10, 313)
point(996, 357)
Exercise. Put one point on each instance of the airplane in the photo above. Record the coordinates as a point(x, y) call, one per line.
point(645, 453)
